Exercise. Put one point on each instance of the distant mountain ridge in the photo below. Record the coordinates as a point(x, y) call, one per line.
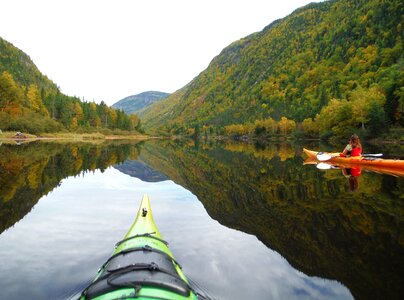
point(135, 103)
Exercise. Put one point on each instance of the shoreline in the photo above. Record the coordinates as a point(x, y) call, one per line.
point(97, 136)
point(11, 137)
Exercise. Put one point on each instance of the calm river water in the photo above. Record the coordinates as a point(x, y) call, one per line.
point(245, 221)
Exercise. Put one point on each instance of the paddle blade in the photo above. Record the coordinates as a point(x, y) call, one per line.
point(323, 156)
point(323, 166)
point(374, 155)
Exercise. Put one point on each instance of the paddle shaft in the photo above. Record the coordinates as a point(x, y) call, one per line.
point(325, 156)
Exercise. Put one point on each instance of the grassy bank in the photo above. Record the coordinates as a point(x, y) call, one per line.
point(12, 135)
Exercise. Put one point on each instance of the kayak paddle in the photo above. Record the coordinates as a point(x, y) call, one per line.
point(325, 166)
point(321, 156)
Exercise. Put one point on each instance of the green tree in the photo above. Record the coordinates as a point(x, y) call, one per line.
point(376, 119)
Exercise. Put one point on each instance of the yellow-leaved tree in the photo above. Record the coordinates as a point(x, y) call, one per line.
point(335, 117)
point(362, 99)
point(269, 125)
point(286, 126)
point(309, 126)
point(34, 101)
point(10, 95)
point(78, 111)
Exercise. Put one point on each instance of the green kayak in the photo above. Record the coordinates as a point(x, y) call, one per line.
point(141, 267)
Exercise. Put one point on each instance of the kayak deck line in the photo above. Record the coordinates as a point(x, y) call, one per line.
point(149, 235)
point(144, 248)
point(141, 266)
point(152, 268)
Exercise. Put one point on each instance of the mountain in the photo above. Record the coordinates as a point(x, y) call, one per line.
point(139, 169)
point(22, 68)
point(133, 104)
point(320, 64)
point(31, 102)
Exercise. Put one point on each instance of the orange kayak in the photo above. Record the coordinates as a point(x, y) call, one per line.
point(389, 166)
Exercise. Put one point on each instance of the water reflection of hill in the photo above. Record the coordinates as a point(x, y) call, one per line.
point(30, 171)
point(139, 169)
point(309, 217)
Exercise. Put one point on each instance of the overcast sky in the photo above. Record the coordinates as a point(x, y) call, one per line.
point(107, 50)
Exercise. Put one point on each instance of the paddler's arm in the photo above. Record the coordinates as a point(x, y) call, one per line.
point(347, 149)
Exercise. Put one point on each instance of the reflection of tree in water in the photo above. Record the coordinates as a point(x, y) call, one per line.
point(30, 171)
point(283, 151)
point(307, 215)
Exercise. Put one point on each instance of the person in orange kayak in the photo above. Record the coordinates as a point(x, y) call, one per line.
point(354, 148)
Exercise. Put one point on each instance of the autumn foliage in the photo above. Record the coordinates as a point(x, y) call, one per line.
point(26, 108)
point(329, 73)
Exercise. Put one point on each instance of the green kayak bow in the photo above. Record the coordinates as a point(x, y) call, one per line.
point(141, 267)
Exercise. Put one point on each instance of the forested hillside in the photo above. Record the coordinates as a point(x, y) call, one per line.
point(30, 102)
point(328, 68)
point(133, 104)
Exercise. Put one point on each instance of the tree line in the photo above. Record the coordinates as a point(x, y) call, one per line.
point(37, 110)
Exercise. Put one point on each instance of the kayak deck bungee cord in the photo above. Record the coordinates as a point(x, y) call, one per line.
point(141, 267)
